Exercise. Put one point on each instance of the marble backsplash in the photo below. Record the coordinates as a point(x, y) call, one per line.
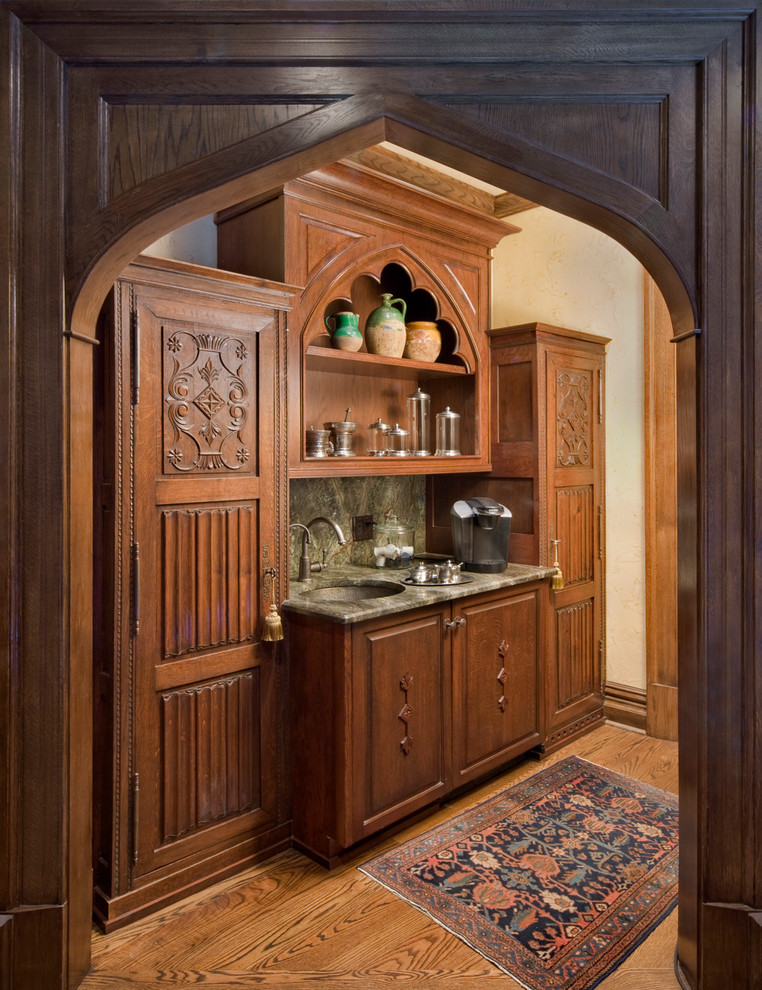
point(342, 498)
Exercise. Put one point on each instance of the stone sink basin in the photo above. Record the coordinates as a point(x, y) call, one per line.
point(352, 592)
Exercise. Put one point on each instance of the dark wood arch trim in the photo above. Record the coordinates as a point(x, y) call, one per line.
point(494, 50)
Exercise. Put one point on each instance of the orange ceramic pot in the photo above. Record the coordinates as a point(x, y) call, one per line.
point(424, 341)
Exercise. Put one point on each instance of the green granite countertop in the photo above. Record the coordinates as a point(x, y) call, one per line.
point(334, 609)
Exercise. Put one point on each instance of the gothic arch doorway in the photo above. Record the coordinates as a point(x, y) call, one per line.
point(249, 185)
point(94, 157)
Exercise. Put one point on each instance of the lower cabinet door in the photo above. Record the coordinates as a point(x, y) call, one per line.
point(496, 699)
point(400, 701)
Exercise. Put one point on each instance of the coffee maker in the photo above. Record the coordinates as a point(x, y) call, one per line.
point(481, 529)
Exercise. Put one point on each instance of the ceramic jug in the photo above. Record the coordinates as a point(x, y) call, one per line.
point(385, 328)
point(344, 329)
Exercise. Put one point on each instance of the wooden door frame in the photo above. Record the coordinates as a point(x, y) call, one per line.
point(660, 516)
point(72, 224)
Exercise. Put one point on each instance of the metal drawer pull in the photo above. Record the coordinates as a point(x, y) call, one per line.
point(454, 623)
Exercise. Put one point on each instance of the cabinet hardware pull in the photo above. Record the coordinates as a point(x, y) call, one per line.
point(451, 624)
point(600, 532)
point(135, 334)
point(135, 589)
point(135, 810)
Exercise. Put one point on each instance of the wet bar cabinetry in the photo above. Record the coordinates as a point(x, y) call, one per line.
point(389, 715)
point(346, 234)
point(547, 417)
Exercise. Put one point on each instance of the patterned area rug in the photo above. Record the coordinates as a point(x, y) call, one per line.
point(556, 880)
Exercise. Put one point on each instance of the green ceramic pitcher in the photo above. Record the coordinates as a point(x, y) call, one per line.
point(385, 327)
point(344, 329)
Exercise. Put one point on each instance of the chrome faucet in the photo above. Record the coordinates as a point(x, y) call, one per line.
point(306, 567)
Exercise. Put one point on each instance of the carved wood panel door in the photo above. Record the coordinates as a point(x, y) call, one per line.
point(575, 423)
point(199, 712)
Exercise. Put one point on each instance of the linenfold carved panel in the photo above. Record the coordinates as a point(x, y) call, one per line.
point(575, 528)
point(209, 578)
point(575, 651)
point(209, 753)
point(209, 401)
point(574, 416)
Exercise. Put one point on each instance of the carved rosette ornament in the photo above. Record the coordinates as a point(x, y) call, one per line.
point(573, 417)
point(207, 383)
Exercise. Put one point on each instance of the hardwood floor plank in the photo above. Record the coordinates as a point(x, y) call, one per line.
point(289, 923)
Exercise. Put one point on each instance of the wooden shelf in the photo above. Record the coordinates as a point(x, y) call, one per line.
point(345, 467)
point(320, 358)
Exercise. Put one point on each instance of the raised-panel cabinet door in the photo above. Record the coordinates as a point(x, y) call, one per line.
point(203, 514)
point(400, 701)
point(496, 697)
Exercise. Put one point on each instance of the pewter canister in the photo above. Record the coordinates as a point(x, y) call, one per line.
point(418, 405)
point(318, 443)
point(448, 433)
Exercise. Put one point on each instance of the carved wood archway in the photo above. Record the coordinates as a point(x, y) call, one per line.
point(113, 140)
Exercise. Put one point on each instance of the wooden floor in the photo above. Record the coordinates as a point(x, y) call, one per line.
point(289, 923)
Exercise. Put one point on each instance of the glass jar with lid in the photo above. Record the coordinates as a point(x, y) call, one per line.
point(377, 438)
point(448, 433)
point(418, 405)
point(394, 543)
point(397, 441)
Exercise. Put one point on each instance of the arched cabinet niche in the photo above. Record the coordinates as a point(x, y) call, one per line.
point(347, 234)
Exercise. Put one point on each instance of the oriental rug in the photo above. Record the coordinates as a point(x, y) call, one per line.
point(555, 880)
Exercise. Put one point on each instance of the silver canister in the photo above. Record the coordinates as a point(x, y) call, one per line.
point(448, 433)
point(418, 406)
point(318, 443)
point(341, 434)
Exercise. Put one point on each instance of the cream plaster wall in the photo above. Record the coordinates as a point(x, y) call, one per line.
point(563, 272)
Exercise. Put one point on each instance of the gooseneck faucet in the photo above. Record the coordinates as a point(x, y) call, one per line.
point(331, 522)
point(306, 567)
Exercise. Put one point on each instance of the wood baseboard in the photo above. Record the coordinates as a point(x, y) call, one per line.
point(625, 705)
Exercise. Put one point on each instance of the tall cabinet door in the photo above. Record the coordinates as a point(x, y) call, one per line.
point(575, 512)
point(196, 698)
point(548, 454)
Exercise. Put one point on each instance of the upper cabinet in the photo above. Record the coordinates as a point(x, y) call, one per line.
point(349, 234)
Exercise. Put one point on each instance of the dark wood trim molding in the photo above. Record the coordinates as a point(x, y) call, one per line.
point(625, 705)
point(114, 137)
point(660, 436)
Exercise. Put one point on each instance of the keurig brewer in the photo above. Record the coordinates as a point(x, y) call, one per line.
point(481, 529)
